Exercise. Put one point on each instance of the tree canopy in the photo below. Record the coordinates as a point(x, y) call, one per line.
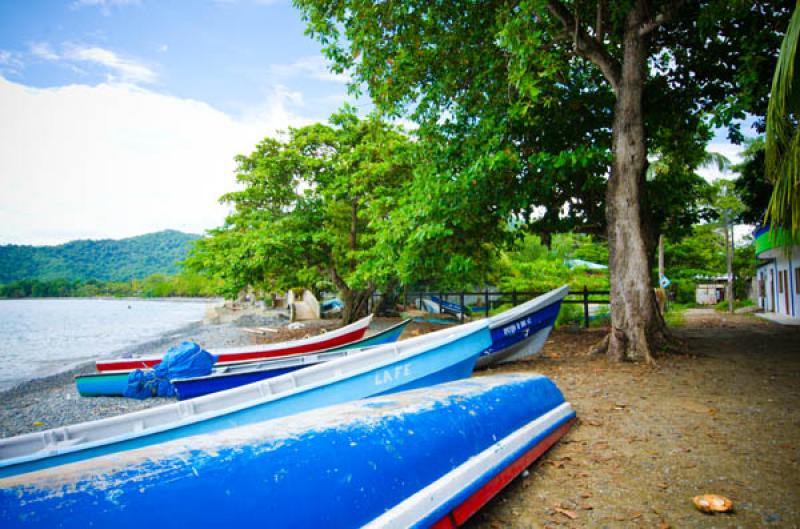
point(545, 112)
point(308, 209)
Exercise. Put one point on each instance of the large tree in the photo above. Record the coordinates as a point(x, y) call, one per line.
point(308, 208)
point(660, 73)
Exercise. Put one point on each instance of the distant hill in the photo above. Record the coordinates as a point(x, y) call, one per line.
point(104, 260)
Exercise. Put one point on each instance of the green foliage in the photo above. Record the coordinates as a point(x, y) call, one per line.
point(185, 284)
point(310, 210)
point(531, 267)
point(782, 150)
point(676, 314)
point(722, 306)
point(569, 314)
point(103, 260)
point(752, 186)
point(513, 122)
point(703, 255)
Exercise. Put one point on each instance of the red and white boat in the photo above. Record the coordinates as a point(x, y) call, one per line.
point(343, 336)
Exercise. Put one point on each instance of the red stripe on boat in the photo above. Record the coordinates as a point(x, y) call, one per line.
point(481, 497)
point(121, 365)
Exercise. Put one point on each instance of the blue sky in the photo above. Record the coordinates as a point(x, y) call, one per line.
point(122, 117)
point(229, 54)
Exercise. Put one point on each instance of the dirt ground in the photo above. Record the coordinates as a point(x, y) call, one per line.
point(722, 419)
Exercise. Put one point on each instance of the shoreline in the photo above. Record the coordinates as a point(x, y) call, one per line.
point(52, 401)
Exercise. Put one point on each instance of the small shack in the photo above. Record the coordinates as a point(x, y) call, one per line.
point(710, 290)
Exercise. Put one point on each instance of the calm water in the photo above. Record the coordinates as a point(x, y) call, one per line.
point(40, 337)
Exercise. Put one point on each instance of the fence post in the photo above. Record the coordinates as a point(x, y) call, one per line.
point(486, 298)
point(463, 308)
point(405, 298)
point(514, 298)
point(441, 298)
point(585, 307)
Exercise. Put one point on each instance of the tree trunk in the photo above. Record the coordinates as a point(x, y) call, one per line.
point(389, 300)
point(355, 304)
point(637, 328)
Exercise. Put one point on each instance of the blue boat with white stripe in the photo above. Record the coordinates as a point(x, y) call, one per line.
point(520, 332)
point(429, 359)
point(232, 376)
point(426, 458)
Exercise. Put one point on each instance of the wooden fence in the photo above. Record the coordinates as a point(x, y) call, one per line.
point(493, 300)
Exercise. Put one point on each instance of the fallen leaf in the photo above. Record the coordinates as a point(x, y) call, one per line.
point(585, 506)
point(635, 515)
point(569, 514)
point(662, 485)
point(586, 494)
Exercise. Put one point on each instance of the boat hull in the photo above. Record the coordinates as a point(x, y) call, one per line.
point(336, 338)
point(414, 459)
point(523, 334)
point(429, 359)
point(115, 384)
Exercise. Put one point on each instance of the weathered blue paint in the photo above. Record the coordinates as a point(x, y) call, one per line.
point(194, 387)
point(190, 388)
point(337, 467)
point(448, 306)
point(522, 328)
point(433, 365)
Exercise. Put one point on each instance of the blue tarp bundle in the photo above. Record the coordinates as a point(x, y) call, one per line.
point(183, 361)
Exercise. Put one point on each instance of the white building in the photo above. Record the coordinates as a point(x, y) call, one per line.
point(777, 274)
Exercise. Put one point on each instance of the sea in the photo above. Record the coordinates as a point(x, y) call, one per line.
point(41, 337)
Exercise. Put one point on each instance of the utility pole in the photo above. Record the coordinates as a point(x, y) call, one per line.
point(729, 252)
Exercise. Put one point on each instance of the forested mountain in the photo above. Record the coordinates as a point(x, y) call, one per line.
point(104, 260)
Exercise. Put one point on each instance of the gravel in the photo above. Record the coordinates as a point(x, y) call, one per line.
point(53, 401)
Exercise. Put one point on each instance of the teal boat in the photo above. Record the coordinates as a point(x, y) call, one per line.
point(114, 384)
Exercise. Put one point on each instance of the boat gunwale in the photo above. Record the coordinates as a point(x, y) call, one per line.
point(254, 363)
point(265, 348)
point(529, 307)
point(411, 347)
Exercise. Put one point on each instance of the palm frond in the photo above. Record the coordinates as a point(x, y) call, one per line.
point(783, 135)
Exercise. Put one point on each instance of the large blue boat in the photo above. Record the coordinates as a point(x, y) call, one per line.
point(429, 359)
point(426, 458)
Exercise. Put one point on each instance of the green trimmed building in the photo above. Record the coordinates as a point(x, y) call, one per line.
point(777, 274)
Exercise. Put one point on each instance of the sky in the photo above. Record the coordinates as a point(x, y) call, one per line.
point(122, 117)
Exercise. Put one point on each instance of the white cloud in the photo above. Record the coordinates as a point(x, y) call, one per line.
point(730, 151)
point(115, 160)
point(104, 5)
point(125, 70)
point(43, 51)
point(10, 62)
point(314, 67)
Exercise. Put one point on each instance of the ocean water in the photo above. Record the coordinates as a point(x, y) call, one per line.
point(40, 337)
